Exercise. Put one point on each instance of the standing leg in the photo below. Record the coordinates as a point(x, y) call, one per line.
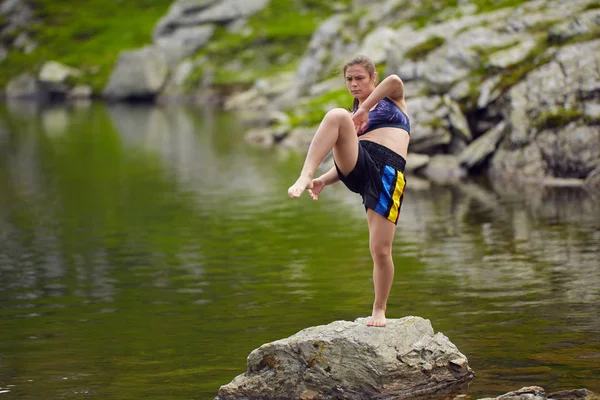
point(381, 236)
point(335, 132)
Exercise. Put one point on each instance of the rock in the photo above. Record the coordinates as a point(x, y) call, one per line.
point(482, 147)
point(526, 393)
point(184, 42)
point(139, 74)
point(414, 161)
point(575, 394)
point(458, 121)
point(192, 13)
point(444, 168)
point(587, 23)
point(22, 86)
point(352, 361)
point(25, 43)
point(430, 128)
point(376, 44)
point(80, 92)
point(299, 138)
point(267, 136)
point(545, 114)
point(570, 152)
point(525, 164)
point(10, 6)
point(512, 55)
point(458, 57)
point(56, 73)
point(318, 53)
point(489, 92)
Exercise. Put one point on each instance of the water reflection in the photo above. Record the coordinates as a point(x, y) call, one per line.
point(156, 246)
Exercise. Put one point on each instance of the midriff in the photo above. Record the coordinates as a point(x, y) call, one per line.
point(394, 139)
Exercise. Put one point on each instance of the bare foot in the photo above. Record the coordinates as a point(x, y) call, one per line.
point(377, 319)
point(303, 183)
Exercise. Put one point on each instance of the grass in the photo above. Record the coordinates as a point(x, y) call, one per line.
point(557, 119)
point(421, 50)
point(278, 37)
point(592, 6)
point(484, 6)
point(537, 57)
point(88, 36)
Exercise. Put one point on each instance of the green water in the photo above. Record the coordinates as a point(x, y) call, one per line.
point(144, 252)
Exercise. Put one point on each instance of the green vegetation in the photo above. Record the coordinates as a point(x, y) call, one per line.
point(491, 5)
point(557, 119)
point(592, 6)
point(537, 57)
point(311, 112)
point(273, 42)
point(421, 50)
point(88, 36)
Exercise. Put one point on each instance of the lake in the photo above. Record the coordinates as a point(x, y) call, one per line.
point(146, 251)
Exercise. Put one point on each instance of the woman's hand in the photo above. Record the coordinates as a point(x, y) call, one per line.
point(360, 119)
point(317, 186)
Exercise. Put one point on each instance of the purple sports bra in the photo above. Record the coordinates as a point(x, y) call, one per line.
point(387, 114)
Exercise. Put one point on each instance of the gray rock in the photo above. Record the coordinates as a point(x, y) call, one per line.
point(352, 361)
point(526, 393)
point(299, 138)
point(458, 121)
point(591, 110)
point(444, 168)
point(414, 161)
point(458, 57)
point(189, 13)
point(55, 72)
point(489, 92)
point(10, 6)
point(3, 53)
point(22, 86)
point(263, 137)
point(525, 163)
point(184, 42)
point(572, 394)
point(512, 55)
point(587, 23)
point(376, 44)
point(80, 92)
point(138, 74)
point(560, 90)
point(318, 53)
point(430, 128)
point(570, 152)
point(24, 42)
point(482, 147)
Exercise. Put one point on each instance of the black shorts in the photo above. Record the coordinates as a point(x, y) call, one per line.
point(378, 177)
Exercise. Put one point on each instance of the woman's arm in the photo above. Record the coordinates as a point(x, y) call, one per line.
point(330, 177)
point(391, 87)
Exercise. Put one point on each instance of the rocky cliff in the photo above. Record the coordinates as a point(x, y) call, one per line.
point(511, 88)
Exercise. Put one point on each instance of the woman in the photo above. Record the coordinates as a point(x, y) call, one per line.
point(369, 149)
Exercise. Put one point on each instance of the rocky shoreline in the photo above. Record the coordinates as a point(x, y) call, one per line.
point(513, 93)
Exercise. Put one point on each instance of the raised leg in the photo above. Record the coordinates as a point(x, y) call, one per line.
point(381, 236)
point(336, 132)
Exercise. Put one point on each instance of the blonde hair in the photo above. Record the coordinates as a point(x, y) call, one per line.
point(364, 62)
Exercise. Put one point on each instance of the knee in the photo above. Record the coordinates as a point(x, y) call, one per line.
point(381, 251)
point(338, 114)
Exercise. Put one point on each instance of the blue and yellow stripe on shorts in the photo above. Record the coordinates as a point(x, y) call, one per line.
point(390, 198)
